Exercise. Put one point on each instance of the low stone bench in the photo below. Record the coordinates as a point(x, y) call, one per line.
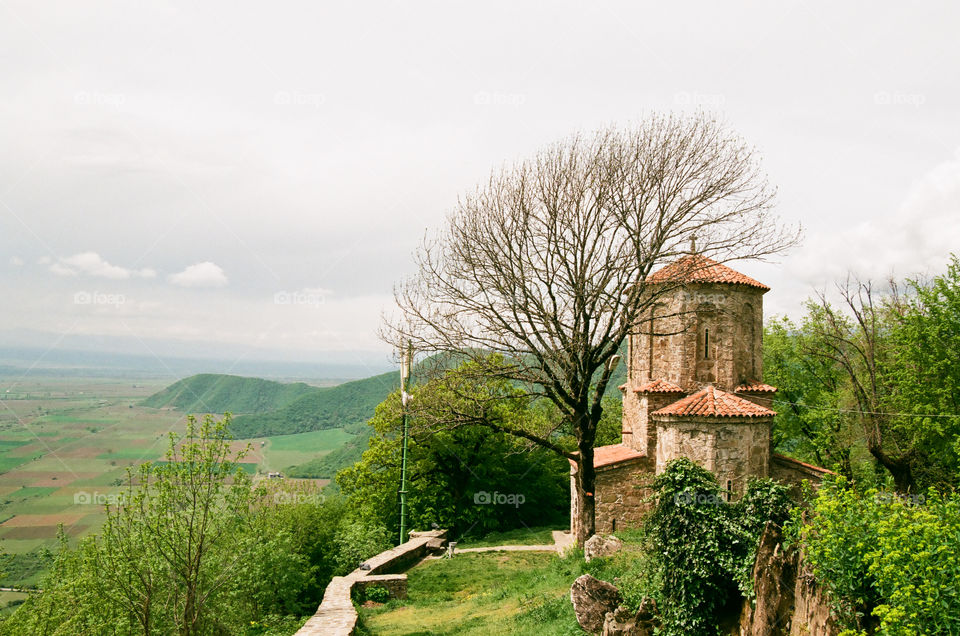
point(336, 615)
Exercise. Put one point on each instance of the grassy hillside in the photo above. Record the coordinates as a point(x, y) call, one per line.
point(215, 393)
point(329, 407)
point(481, 594)
point(326, 466)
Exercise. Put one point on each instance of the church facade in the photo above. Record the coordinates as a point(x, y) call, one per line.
point(693, 390)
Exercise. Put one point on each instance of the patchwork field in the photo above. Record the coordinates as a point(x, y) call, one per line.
point(65, 447)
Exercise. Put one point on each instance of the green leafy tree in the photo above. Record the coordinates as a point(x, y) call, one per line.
point(926, 376)
point(873, 377)
point(809, 388)
point(466, 472)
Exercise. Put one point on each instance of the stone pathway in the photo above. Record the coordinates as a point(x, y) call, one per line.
point(336, 615)
point(562, 541)
point(508, 548)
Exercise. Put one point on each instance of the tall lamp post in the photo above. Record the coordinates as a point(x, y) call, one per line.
point(406, 363)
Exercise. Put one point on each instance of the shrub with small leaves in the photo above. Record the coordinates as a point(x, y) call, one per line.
point(377, 594)
point(890, 562)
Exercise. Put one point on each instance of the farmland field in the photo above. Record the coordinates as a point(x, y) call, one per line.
point(65, 446)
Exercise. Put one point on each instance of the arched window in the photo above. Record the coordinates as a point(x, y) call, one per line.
point(706, 343)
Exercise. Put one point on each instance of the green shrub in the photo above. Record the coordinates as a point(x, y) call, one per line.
point(916, 567)
point(889, 562)
point(703, 546)
point(377, 594)
point(842, 529)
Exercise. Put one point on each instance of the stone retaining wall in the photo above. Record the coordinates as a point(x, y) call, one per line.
point(336, 615)
point(394, 584)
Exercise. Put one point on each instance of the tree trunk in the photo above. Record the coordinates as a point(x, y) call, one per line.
point(585, 482)
point(899, 468)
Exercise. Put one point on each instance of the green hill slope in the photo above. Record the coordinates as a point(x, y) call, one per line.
point(329, 407)
point(215, 393)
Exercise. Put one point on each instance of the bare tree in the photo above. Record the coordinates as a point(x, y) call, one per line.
point(541, 263)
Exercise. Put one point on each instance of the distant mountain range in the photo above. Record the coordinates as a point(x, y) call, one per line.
point(58, 355)
point(264, 408)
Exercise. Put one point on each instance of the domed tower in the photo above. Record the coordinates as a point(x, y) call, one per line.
point(694, 365)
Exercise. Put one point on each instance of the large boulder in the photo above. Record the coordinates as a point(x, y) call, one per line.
point(592, 599)
point(623, 622)
point(598, 546)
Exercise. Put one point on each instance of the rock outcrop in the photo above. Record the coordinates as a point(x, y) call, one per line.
point(592, 599)
point(600, 546)
point(623, 622)
point(788, 601)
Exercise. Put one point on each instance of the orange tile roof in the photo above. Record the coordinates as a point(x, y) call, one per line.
point(712, 402)
point(790, 460)
point(696, 268)
point(613, 454)
point(658, 386)
point(755, 387)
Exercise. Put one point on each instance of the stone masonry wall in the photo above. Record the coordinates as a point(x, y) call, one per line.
point(632, 423)
point(620, 496)
point(680, 353)
point(734, 451)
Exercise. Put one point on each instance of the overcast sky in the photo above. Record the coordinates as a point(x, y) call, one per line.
point(255, 176)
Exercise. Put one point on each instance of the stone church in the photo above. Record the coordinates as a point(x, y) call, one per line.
point(693, 389)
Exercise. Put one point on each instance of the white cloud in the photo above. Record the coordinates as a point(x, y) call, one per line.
point(917, 238)
point(43, 260)
point(16, 261)
point(204, 274)
point(92, 264)
point(61, 270)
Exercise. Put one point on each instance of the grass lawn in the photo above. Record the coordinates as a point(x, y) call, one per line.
point(520, 536)
point(478, 594)
point(482, 594)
